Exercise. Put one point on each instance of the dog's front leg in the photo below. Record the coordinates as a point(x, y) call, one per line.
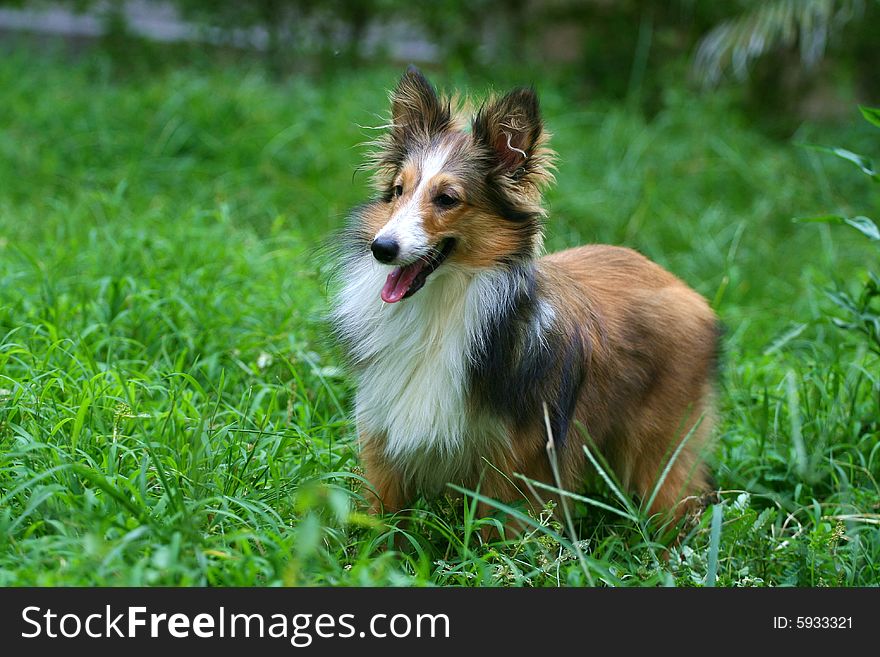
point(386, 494)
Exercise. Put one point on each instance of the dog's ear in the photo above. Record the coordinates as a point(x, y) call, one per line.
point(510, 128)
point(416, 110)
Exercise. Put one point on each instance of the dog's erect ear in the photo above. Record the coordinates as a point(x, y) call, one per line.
point(511, 128)
point(416, 110)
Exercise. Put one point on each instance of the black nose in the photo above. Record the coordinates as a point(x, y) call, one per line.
point(385, 249)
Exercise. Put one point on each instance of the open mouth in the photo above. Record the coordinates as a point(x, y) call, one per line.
point(405, 281)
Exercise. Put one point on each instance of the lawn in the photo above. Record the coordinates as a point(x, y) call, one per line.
point(173, 411)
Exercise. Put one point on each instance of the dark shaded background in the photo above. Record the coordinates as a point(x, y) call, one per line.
point(786, 60)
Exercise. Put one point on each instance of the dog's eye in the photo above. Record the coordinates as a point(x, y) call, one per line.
point(445, 201)
point(396, 191)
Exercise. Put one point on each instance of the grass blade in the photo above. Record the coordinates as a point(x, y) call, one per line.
point(871, 114)
point(714, 545)
point(554, 466)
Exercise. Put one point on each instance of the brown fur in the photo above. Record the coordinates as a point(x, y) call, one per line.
point(652, 353)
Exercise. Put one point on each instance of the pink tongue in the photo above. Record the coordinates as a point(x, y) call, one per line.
point(399, 280)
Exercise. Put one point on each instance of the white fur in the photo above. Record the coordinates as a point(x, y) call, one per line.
point(413, 359)
point(405, 228)
point(406, 225)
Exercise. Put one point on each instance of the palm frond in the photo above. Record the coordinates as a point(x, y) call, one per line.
point(736, 43)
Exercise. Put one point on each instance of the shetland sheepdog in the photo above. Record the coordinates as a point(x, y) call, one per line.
point(471, 350)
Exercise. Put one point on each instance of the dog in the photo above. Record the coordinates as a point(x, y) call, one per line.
point(471, 350)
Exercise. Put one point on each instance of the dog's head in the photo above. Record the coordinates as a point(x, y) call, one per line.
point(455, 188)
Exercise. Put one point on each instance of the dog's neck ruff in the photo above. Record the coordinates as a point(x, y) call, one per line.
point(415, 362)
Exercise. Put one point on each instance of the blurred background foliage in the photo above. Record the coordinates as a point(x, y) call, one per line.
point(789, 60)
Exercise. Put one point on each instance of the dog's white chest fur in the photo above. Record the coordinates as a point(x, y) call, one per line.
point(414, 356)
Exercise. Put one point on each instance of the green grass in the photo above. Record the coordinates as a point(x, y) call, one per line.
point(173, 412)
